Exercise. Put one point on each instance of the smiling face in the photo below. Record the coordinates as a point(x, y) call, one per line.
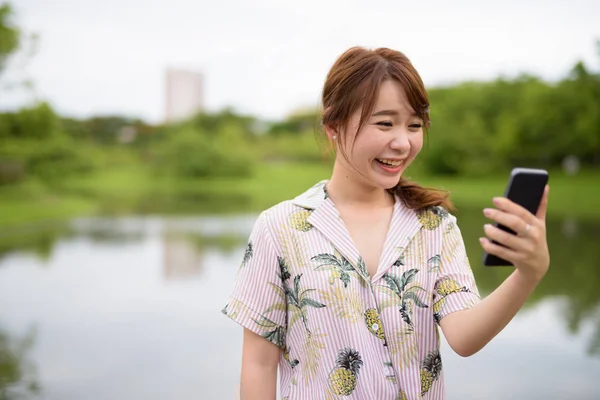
point(388, 142)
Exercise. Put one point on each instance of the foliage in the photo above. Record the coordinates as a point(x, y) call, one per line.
point(189, 152)
point(9, 34)
point(478, 129)
point(33, 145)
point(106, 130)
point(38, 121)
point(225, 119)
point(482, 127)
point(301, 146)
point(297, 123)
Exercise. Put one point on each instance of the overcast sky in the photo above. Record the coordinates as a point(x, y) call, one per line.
point(269, 57)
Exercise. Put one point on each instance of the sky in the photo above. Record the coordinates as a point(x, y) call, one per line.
point(270, 57)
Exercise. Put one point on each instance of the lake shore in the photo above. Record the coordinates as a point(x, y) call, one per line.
point(133, 190)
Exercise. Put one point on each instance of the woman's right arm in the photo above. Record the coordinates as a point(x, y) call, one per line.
point(260, 359)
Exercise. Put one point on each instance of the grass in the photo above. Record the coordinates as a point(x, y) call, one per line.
point(274, 183)
point(573, 196)
point(132, 189)
point(32, 202)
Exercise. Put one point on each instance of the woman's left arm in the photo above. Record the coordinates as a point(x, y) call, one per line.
point(468, 331)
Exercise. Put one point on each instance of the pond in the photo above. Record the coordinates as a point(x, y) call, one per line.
point(129, 308)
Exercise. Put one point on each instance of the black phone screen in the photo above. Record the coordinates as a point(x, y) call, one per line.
point(526, 188)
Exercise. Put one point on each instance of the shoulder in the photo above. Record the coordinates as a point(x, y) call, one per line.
point(274, 225)
point(280, 213)
point(436, 217)
point(294, 212)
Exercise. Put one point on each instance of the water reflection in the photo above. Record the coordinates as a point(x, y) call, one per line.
point(137, 300)
point(574, 274)
point(181, 259)
point(177, 204)
point(35, 240)
point(224, 233)
point(18, 378)
point(183, 254)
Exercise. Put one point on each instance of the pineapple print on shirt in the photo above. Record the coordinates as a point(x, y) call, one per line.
point(374, 324)
point(298, 220)
point(431, 218)
point(304, 288)
point(430, 371)
point(343, 378)
point(448, 286)
point(444, 288)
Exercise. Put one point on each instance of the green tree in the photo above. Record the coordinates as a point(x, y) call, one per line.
point(10, 34)
point(189, 152)
point(482, 127)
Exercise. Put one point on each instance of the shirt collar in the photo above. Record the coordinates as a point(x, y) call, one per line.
point(324, 216)
point(313, 197)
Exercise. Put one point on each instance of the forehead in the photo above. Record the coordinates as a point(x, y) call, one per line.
point(392, 96)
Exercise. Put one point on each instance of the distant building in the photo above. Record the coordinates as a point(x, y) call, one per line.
point(184, 95)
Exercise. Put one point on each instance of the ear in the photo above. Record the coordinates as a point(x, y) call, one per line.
point(331, 132)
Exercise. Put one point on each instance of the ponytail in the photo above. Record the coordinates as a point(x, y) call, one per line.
point(418, 198)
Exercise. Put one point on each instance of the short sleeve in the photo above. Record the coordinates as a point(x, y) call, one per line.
point(257, 301)
point(455, 287)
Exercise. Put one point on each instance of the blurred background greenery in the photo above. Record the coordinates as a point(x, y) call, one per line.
point(54, 167)
point(55, 170)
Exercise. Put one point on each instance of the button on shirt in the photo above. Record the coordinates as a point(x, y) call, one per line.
point(303, 286)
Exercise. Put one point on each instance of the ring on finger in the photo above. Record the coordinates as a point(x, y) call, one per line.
point(526, 231)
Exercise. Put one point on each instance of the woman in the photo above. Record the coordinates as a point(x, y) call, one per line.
point(343, 287)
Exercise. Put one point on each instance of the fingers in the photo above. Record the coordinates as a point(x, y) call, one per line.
point(511, 221)
point(504, 238)
point(513, 208)
point(497, 250)
point(541, 213)
point(528, 249)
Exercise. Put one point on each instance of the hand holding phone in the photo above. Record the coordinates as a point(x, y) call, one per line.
point(526, 188)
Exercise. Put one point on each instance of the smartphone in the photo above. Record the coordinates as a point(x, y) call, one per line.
point(526, 188)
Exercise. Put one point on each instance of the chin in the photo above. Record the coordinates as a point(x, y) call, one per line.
point(386, 182)
point(392, 185)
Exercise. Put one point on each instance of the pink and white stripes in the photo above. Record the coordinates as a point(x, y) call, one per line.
point(302, 287)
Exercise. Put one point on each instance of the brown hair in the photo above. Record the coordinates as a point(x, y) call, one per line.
point(353, 81)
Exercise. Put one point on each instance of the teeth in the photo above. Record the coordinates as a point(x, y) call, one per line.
point(393, 163)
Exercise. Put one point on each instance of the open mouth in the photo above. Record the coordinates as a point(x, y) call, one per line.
point(389, 163)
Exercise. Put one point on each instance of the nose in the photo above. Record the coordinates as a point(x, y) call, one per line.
point(400, 142)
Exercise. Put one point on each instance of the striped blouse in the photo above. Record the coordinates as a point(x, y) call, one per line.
point(303, 286)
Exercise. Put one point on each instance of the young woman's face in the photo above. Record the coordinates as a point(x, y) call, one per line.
point(388, 142)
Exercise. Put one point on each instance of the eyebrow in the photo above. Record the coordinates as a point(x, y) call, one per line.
point(385, 112)
point(390, 112)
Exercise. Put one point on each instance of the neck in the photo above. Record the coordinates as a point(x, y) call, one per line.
point(347, 187)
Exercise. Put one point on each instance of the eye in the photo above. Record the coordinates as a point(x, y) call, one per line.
point(387, 124)
point(415, 126)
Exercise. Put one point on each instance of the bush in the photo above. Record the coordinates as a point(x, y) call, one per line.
point(49, 160)
point(57, 159)
point(302, 147)
point(190, 153)
point(11, 171)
